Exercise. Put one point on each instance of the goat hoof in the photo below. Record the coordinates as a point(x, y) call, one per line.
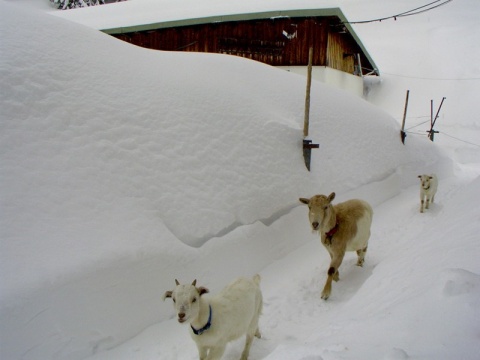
point(325, 296)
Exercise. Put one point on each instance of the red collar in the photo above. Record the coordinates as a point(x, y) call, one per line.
point(332, 231)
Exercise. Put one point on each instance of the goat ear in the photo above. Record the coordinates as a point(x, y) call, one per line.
point(331, 196)
point(202, 290)
point(168, 294)
point(176, 282)
point(304, 201)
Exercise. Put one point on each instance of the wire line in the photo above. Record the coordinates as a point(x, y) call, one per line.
point(416, 11)
point(417, 125)
point(442, 133)
point(426, 78)
point(453, 137)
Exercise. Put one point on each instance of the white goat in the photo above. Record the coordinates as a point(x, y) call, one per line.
point(342, 227)
point(428, 189)
point(217, 320)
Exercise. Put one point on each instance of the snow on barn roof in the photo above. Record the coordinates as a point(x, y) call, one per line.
point(133, 13)
point(141, 15)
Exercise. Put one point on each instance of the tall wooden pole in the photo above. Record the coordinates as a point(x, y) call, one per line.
point(402, 133)
point(307, 96)
point(433, 120)
point(438, 111)
point(430, 133)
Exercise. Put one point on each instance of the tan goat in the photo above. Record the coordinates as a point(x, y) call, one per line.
point(342, 227)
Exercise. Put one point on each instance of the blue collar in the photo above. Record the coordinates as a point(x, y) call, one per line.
point(207, 325)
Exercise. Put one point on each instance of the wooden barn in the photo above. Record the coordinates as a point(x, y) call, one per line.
point(279, 38)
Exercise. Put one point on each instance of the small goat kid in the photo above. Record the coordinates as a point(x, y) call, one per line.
point(428, 189)
point(217, 320)
point(342, 227)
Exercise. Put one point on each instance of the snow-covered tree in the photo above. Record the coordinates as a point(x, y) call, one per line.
point(70, 4)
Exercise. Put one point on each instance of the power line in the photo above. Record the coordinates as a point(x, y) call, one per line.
point(417, 125)
point(426, 78)
point(442, 133)
point(415, 133)
point(467, 142)
point(416, 11)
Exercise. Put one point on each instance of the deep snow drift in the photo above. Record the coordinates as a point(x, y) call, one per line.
point(124, 168)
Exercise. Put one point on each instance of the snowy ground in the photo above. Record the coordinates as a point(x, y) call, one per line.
point(123, 168)
point(402, 304)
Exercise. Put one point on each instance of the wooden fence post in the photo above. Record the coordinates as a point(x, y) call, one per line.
point(403, 134)
point(306, 120)
point(307, 144)
point(431, 132)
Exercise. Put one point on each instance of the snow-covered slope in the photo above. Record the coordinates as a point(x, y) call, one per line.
point(124, 168)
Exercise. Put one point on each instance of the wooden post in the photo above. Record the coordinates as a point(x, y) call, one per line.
point(438, 111)
point(434, 120)
point(431, 113)
point(307, 96)
point(403, 134)
point(307, 144)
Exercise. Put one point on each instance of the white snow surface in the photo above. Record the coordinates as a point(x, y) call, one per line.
point(123, 168)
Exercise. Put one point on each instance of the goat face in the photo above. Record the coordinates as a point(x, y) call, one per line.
point(186, 300)
point(320, 209)
point(425, 181)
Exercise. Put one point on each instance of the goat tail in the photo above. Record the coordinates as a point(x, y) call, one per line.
point(256, 279)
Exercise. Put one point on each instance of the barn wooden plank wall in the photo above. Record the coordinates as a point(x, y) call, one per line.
point(277, 41)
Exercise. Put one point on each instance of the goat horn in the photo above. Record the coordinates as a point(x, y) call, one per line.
point(176, 282)
point(194, 282)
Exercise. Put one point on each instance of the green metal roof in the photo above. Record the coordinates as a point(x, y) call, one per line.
point(245, 17)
